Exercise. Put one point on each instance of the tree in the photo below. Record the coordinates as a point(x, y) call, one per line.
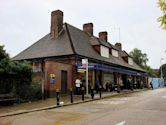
point(163, 71)
point(3, 53)
point(139, 57)
point(15, 77)
point(162, 19)
point(150, 71)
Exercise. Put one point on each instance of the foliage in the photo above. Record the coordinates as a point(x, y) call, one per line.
point(150, 71)
point(163, 71)
point(16, 78)
point(36, 91)
point(162, 19)
point(3, 53)
point(22, 79)
point(139, 57)
point(15, 75)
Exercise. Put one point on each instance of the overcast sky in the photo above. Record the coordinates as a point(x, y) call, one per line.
point(23, 22)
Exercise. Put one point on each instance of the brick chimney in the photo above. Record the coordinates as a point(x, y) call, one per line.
point(118, 45)
point(103, 36)
point(88, 28)
point(56, 23)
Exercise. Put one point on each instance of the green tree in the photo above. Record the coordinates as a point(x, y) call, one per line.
point(163, 71)
point(150, 71)
point(3, 53)
point(139, 57)
point(15, 77)
point(162, 19)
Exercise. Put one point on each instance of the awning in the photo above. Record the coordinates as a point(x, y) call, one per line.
point(111, 69)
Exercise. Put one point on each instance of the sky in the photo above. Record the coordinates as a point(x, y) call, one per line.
point(23, 22)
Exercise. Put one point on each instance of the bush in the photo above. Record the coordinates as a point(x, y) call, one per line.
point(36, 89)
point(16, 78)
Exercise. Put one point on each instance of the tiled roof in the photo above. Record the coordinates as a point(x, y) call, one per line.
point(82, 44)
point(71, 41)
point(47, 47)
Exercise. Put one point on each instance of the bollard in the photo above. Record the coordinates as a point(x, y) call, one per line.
point(118, 89)
point(92, 93)
point(82, 88)
point(100, 90)
point(71, 95)
point(57, 97)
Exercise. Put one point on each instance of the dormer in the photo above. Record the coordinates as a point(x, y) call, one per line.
point(126, 57)
point(114, 52)
point(130, 61)
point(104, 46)
point(104, 51)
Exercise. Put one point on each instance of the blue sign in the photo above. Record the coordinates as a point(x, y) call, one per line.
point(52, 78)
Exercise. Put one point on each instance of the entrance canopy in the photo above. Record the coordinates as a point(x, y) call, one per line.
point(111, 69)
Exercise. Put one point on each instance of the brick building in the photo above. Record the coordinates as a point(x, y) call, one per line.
point(56, 58)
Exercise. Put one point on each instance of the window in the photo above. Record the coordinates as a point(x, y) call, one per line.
point(114, 52)
point(130, 61)
point(36, 67)
point(104, 51)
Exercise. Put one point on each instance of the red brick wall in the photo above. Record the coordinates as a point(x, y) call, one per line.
point(55, 68)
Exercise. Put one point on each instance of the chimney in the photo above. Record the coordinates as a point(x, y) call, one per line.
point(118, 45)
point(103, 36)
point(56, 23)
point(88, 28)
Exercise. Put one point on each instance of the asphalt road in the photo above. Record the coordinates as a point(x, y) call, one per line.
point(142, 108)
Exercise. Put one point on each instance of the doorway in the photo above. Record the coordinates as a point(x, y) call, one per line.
point(64, 81)
point(124, 79)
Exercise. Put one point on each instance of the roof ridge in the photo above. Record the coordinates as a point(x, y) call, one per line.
point(70, 39)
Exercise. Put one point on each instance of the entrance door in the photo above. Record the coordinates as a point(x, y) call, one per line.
point(64, 81)
point(124, 79)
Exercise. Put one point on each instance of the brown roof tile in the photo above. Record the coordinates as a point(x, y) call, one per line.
point(71, 41)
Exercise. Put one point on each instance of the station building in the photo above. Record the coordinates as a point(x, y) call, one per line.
point(57, 58)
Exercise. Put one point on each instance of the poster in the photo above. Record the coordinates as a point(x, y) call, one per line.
point(52, 78)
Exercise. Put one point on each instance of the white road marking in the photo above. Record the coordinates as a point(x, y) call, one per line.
point(121, 123)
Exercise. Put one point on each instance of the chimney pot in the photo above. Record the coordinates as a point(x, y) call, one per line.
point(56, 23)
point(118, 45)
point(103, 36)
point(88, 28)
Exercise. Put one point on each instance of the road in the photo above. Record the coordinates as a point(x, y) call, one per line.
point(142, 108)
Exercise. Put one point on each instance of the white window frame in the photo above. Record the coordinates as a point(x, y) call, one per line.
point(36, 68)
point(130, 61)
point(104, 51)
point(115, 53)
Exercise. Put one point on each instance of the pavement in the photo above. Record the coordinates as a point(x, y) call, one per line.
point(139, 108)
point(51, 103)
